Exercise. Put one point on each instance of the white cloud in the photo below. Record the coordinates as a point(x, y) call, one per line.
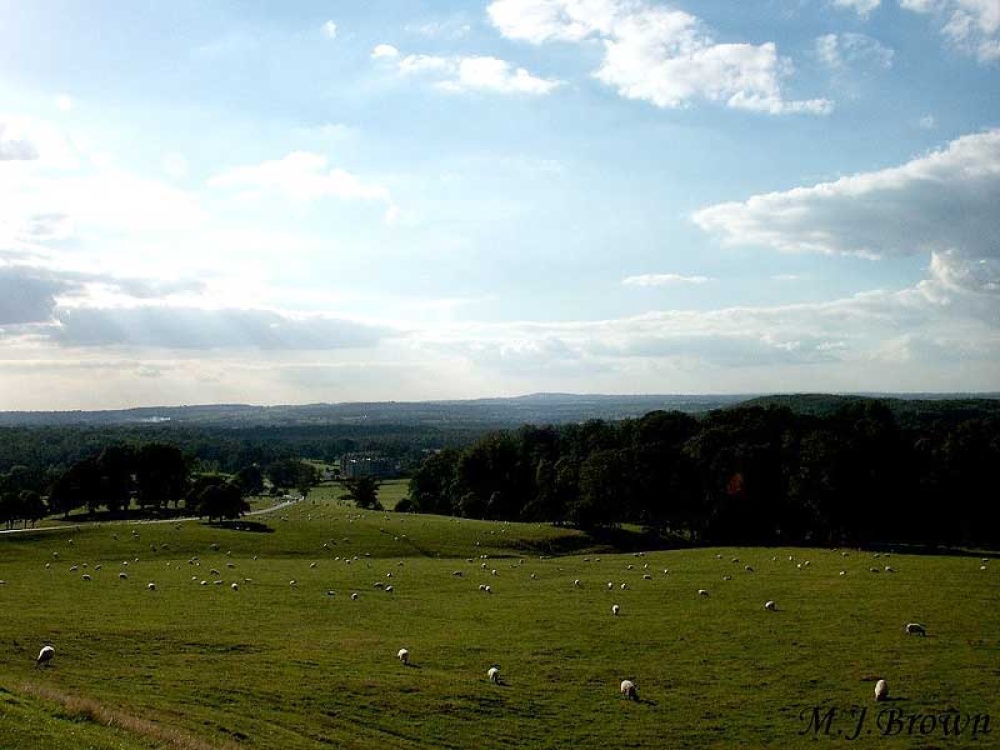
point(330, 30)
point(476, 73)
point(657, 54)
point(935, 203)
point(972, 26)
point(849, 49)
point(14, 145)
point(64, 103)
point(663, 279)
point(384, 52)
point(300, 176)
point(862, 7)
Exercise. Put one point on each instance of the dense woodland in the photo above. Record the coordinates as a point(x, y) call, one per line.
point(749, 475)
point(816, 470)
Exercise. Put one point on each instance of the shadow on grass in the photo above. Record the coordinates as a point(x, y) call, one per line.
point(255, 527)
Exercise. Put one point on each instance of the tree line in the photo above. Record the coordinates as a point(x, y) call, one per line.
point(150, 477)
point(748, 475)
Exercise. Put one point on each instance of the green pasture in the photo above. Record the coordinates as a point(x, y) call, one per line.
point(281, 665)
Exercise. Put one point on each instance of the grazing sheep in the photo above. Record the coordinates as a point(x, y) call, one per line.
point(624, 586)
point(404, 656)
point(915, 628)
point(488, 590)
point(293, 582)
point(770, 606)
point(727, 578)
point(151, 586)
point(45, 656)
point(577, 582)
point(493, 674)
point(702, 592)
point(628, 690)
point(843, 572)
point(482, 587)
point(748, 568)
point(647, 577)
point(533, 576)
point(610, 585)
point(615, 609)
point(881, 690)
point(873, 570)
point(354, 597)
point(235, 586)
point(388, 589)
point(981, 567)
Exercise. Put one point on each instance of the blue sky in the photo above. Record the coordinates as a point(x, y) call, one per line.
point(396, 199)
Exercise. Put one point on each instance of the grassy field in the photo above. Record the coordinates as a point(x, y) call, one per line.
point(304, 665)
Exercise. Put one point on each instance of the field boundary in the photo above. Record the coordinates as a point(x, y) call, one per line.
point(87, 709)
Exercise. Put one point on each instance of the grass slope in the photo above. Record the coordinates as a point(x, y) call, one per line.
point(306, 666)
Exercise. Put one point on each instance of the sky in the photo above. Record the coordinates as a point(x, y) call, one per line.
point(283, 203)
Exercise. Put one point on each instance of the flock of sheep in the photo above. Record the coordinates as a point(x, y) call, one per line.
point(628, 688)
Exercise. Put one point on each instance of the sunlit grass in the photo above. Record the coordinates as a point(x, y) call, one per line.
point(299, 666)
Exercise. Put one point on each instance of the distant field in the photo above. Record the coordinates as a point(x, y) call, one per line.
point(276, 665)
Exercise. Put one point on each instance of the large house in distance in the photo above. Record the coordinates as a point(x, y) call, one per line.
point(366, 465)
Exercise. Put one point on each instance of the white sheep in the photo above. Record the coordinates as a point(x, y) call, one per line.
point(354, 597)
point(915, 628)
point(151, 586)
point(770, 605)
point(628, 690)
point(45, 655)
point(610, 585)
point(881, 690)
point(647, 577)
point(615, 609)
point(702, 592)
point(577, 583)
point(488, 590)
point(235, 586)
point(404, 656)
point(624, 586)
point(86, 576)
point(727, 578)
point(493, 674)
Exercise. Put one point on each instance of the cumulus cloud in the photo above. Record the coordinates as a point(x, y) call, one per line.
point(945, 200)
point(663, 279)
point(657, 54)
point(838, 51)
point(384, 51)
point(330, 30)
point(972, 26)
point(472, 73)
point(862, 7)
point(300, 176)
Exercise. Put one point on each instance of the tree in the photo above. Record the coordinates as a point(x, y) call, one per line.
point(220, 499)
point(161, 474)
point(251, 479)
point(362, 491)
point(291, 472)
point(78, 486)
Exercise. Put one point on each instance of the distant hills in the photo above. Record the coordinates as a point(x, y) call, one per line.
point(539, 408)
